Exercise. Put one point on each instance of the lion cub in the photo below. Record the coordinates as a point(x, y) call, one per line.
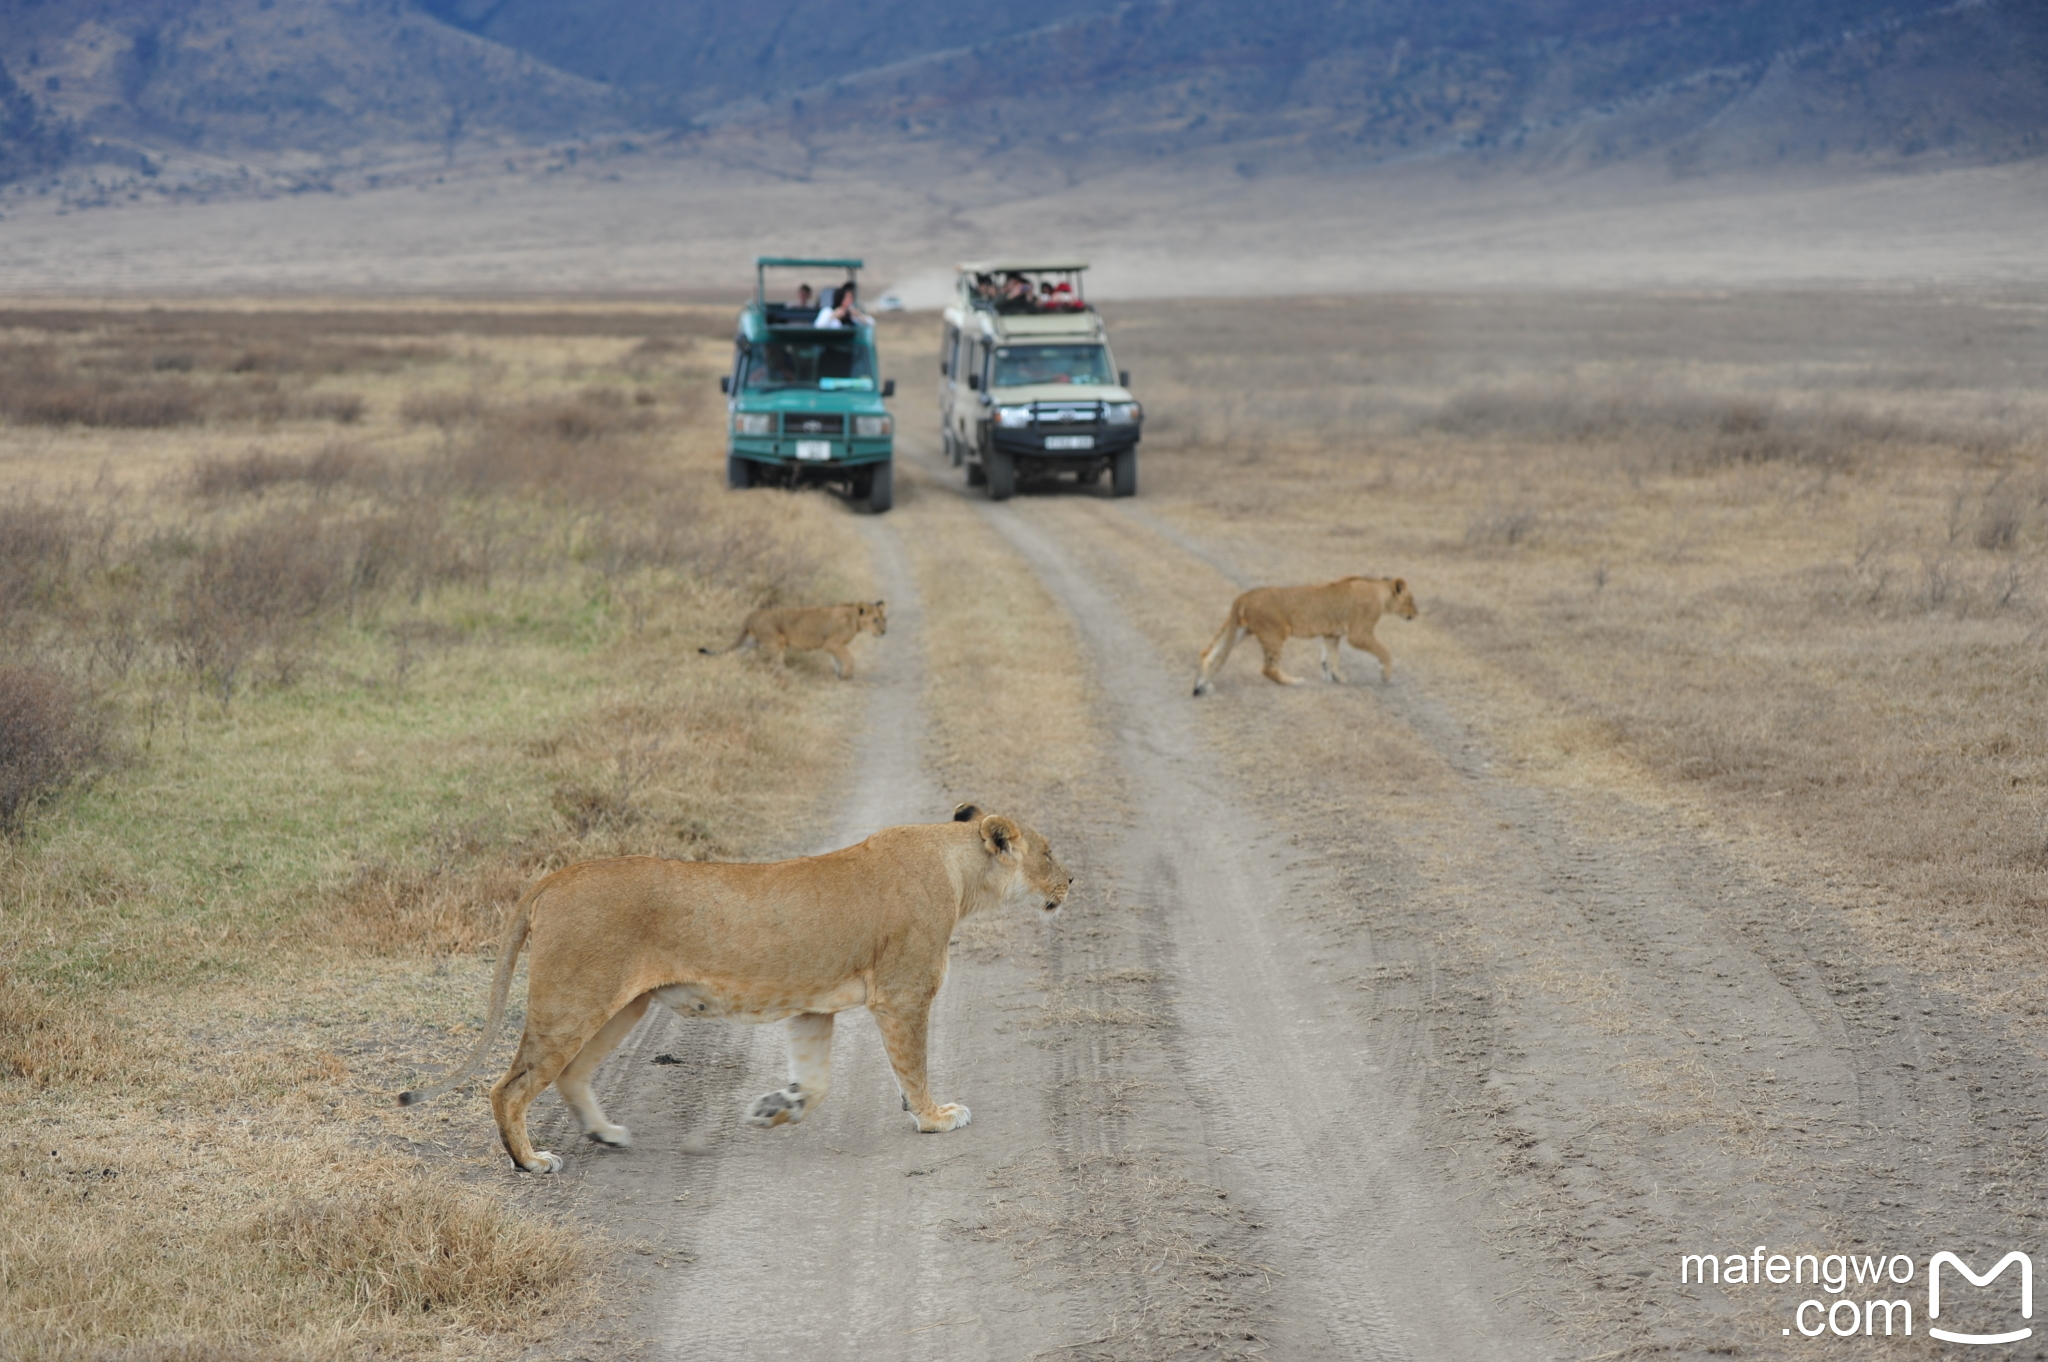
point(1346, 608)
point(806, 627)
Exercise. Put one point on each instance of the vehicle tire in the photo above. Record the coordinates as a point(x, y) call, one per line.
point(1002, 475)
point(1090, 475)
point(954, 453)
point(881, 487)
point(977, 474)
point(1123, 475)
point(739, 473)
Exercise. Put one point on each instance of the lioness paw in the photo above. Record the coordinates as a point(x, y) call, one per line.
point(617, 1137)
point(951, 1116)
point(783, 1106)
point(544, 1161)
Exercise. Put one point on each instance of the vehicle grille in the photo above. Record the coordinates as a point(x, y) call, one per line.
point(1066, 413)
point(812, 423)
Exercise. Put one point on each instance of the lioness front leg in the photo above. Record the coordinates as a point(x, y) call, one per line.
point(842, 659)
point(1371, 644)
point(810, 1073)
point(903, 1027)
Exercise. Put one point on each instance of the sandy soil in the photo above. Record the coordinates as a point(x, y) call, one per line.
point(652, 223)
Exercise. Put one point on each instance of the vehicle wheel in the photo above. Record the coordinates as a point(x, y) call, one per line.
point(977, 474)
point(954, 453)
point(1123, 477)
point(1090, 475)
point(882, 488)
point(739, 473)
point(1002, 475)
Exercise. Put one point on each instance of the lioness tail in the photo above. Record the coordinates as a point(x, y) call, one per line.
point(501, 986)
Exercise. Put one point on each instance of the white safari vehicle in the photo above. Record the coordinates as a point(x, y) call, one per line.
point(1027, 387)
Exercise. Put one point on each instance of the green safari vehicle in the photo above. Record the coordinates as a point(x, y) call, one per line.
point(804, 398)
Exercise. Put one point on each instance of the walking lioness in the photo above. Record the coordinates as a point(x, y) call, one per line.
point(1346, 608)
point(806, 627)
point(863, 927)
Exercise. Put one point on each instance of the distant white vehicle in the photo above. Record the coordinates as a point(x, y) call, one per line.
point(888, 302)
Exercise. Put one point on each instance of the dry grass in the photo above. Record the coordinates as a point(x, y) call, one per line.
point(1788, 554)
point(364, 691)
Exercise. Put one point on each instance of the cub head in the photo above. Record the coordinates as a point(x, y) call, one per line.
point(1024, 871)
point(874, 617)
point(1399, 602)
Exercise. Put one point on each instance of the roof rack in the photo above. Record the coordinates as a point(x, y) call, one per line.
point(764, 263)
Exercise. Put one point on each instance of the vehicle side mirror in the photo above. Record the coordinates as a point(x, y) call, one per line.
point(1123, 378)
point(725, 384)
point(888, 387)
point(974, 382)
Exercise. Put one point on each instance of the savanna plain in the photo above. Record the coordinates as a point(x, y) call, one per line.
point(1688, 879)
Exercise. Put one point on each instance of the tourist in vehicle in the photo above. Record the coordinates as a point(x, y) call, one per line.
point(845, 311)
point(1016, 296)
point(805, 300)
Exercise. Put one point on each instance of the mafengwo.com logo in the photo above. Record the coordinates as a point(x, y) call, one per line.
point(1873, 1295)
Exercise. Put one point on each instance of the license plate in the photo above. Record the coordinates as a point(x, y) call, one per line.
point(1070, 442)
point(814, 449)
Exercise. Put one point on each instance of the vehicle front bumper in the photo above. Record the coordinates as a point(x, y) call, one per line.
point(1029, 442)
point(781, 450)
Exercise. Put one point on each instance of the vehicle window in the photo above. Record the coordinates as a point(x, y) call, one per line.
point(1019, 365)
point(813, 361)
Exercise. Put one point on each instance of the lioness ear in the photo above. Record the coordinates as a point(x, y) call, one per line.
point(1400, 585)
point(881, 605)
point(965, 813)
point(998, 834)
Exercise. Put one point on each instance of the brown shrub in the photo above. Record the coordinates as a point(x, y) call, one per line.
point(257, 470)
point(48, 739)
point(442, 407)
point(36, 539)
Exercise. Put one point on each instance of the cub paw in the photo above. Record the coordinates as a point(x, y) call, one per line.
point(612, 1137)
point(951, 1116)
point(783, 1106)
point(544, 1161)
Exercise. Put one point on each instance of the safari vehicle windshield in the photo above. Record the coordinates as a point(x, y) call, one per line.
point(812, 360)
point(1018, 366)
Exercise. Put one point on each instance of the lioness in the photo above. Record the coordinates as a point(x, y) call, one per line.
point(866, 926)
point(805, 627)
point(1346, 608)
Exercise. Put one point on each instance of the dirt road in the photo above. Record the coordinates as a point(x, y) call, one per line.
point(1356, 1040)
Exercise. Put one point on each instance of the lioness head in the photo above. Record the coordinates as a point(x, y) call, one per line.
point(874, 617)
point(1399, 602)
point(1035, 878)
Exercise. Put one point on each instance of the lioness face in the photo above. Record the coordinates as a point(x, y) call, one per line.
point(1399, 602)
point(1037, 879)
point(875, 616)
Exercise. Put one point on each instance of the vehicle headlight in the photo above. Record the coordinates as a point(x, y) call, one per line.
point(1013, 418)
point(1123, 413)
point(868, 427)
point(752, 423)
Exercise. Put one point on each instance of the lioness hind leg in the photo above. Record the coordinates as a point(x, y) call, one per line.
point(1271, 643)
point(539, 1058)
point(903, 1028)
point(574, 1083)
point(810, 1073)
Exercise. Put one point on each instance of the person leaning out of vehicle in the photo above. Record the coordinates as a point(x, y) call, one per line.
point(845, 311)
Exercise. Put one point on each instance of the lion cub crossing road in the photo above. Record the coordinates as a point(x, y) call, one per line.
point(789, 940)
point(807, 627)
point(1346, 608)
